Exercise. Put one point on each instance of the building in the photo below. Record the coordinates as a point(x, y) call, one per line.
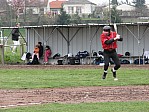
point(126, 10)
point(132, 13)
point(36, 6)
point(55, 7)
point(79, 6)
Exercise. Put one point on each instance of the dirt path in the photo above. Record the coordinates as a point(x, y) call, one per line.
point(14, 98)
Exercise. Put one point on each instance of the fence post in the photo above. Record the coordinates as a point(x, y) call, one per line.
point(2, 53)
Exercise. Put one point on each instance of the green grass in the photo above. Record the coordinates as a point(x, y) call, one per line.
point(9, 57)
point(52, 78)
point(91, 19)
point(45, 78)
point(7, 32)
point(85, 107)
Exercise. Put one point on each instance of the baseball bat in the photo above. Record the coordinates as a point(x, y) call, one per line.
point(115, 27)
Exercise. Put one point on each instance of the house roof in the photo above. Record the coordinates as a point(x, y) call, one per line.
point(56, 4)
point(125, 7)
point(79, 2)
point(36, 3)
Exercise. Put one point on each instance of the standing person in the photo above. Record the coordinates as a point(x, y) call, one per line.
point(15, 37)
point(47, 54)
point(40, 49)
point(109, 44)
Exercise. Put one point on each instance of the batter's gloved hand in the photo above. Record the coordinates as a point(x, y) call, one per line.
point(121, 39)
point(117, 37)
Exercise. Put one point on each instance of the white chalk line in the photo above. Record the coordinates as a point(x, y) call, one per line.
point(7, 106)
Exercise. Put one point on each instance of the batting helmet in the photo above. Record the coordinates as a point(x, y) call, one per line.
point(106, 28)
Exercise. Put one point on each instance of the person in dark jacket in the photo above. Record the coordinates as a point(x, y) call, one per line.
point(15, 37)
point(40, 49)
point(109, 44)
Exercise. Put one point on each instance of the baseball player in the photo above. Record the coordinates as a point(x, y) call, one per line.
point(109, 44)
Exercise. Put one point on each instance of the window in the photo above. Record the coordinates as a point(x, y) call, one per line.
point(78, 9)
point(41, 10)
point(54, 12)
point(29, 11)
point(70, 10)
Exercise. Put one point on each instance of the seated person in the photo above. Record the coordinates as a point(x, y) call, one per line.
point(35, 60)
point(36, 52)
point(47, 54)
point(40, 46)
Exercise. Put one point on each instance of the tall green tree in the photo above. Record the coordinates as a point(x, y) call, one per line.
point(126, 1)
point(114, 2)
point(115, 18)
point(141, 9)
point(63, 18)
point(139, 3)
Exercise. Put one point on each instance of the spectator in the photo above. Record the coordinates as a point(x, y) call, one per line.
point(47, 54)
point(36, 52)
point(15, 37)
point(40, 49)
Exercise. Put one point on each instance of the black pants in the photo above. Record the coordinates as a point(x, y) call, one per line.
point(111, 55)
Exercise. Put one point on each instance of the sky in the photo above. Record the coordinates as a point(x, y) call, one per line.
point(98, 2)
point(107, 1)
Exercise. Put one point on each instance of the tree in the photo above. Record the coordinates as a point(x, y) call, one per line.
point(141, 9)
point(114, 2)
point(4, 13)
point(115, 18)
point(17, 5)
point(127, 2)
point(75, 19)
point(3, 4)
point(139, 3)
point(63, 18)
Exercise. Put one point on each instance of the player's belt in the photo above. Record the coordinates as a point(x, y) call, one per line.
point(109, 50)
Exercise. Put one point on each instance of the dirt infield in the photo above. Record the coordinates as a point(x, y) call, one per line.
point(25, 97)
point(130, 66)
point(14, 98)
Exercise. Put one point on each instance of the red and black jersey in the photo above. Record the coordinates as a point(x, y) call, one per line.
point(104, 37)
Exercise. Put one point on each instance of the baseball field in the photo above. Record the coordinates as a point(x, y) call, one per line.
point(73, 88)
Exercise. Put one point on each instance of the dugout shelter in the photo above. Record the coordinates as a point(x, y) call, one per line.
point(65, 39)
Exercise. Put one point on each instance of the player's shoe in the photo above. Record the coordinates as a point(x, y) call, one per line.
point(114, 75)
point(115, 79)
point(104, 75)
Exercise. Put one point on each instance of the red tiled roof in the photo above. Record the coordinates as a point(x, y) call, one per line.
point(56, 4)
